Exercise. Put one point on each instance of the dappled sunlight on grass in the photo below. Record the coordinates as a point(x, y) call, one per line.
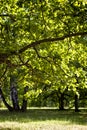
point(43, 115)
point(48, 119)
point(40, 126)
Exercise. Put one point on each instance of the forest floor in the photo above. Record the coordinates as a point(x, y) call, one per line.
point(43, 119)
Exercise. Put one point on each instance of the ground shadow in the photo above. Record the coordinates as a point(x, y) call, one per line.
point(45, 114)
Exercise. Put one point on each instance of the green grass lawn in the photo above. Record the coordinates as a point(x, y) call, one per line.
point(43, 119)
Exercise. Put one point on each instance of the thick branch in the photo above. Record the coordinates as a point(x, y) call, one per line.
point(4, 56)
point(33, 44)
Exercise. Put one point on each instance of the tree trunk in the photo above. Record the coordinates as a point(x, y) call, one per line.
point(14, 97)
point(24, 104)
point(76, 103)
point(76, 96)
point(13, 93)
point(4, 101)
point(61, 101)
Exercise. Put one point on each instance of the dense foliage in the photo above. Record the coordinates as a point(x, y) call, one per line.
point(43, 44)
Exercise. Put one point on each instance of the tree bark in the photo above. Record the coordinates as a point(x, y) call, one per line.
point(4, 101)
point(76, 103)
point(14, 97)
point(61, 101)
point(24, 104)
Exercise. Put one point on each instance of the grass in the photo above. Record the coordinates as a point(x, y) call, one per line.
point(43, 119)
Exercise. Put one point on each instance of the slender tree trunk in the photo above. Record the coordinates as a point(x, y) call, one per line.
point(76, 103)
point(14, 97)
point(4, 101)
point(14, 93)
point(61, 101)
point(76, 96)
point(24, 104)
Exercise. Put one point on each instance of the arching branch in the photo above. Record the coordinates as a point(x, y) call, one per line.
point(33, 44)
point(4, 56)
